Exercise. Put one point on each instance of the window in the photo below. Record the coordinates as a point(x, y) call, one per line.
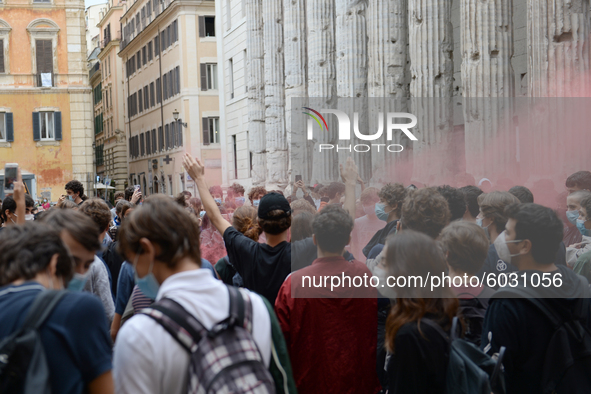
point(6, 127)
point(154, 140)
point(148, 140)
point(44, 58)
point(177, 78)
point(212, 76)
point(138, 57)
point(146, 97)
point(46, 125)
point(150, 51)
point(206, 26)
point(111, 94)
point(142, 146)
point(175, 31)
point(173, 142)
point(214, 130)
point(163, 40)
point(144, 53)
point(231, 77)
point(140, 100)
point(2, 126)
point(168, 36)
point(209, 26)
point(156, 46)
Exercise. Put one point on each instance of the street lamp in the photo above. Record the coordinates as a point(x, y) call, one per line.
point(176, 114)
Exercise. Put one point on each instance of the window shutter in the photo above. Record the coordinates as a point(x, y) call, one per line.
point(142, 144)
point(36, 127)
point(176, 30)
point(44, 56)
point(180, 131)
point(163, 40)
point(1, 56)
point(203, 71)
point(57, 124)
point(177, 78)
point(154, 137)
point(152, 94)
point(168, 36)
point(140, 96)
point(148, 143)
point(158, 91)
point(171, 83)
point(9, 127)
point(167, 137)
point(201, 26)
point(160, 139)
point(165, 86)
point(205, 125)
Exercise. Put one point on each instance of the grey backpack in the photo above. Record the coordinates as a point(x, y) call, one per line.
point(23, 366)
point(470, 370)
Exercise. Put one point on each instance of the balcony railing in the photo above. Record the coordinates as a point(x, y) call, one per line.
point(104, 42)
point(94, 69)
point(45, 80)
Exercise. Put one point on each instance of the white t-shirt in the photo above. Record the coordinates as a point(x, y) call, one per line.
point(147, 359)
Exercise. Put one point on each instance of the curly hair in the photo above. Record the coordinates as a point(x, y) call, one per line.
point(425, 211)
point(393, 194)
point(255, 191)
point(76, 187)
point(245, 220)
point(277, 222)
point(466, 246)
point(98, 211)
point(237, 189)
point(27, 249)
point(455, 201)
point(216, 190)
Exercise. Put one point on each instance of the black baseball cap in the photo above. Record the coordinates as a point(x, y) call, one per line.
point(272, 202)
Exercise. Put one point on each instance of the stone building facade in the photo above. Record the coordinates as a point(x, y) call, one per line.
point(451, 51)
point(168, 52)
point(45, 100)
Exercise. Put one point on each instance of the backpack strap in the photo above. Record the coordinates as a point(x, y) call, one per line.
point(179, 323)
point(440, 330)
point(41, 308)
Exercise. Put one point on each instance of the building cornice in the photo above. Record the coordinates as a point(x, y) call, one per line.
point(108, 14)
point(164, 14)
point(107, 48)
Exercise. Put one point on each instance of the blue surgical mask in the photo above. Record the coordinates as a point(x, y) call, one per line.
point(218, 200)
point(239, 201)
point(572, 216)
point(148, 284)
point(201, 214)
point(581, 226)
point(71, 198)
point(256, 203)
point(78, 281)
point(380, 211)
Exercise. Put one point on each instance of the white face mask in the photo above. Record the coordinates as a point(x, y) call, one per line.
point(502, 248)
point(29, 216)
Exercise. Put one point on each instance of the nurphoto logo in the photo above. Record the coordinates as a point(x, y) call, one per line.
point(344, 128)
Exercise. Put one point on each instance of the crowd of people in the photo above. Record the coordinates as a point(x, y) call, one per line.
point(208, 294)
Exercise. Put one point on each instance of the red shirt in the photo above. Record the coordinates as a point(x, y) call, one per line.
point(331, 341)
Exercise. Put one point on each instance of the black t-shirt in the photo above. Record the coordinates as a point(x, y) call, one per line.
point(526, 332)
point(379, 237)
point(262, 267)
point(419, 362)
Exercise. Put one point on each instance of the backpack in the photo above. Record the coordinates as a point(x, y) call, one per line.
point(23, 366)
point(470, 370)
point(225, 359)
point(568, 354)
point(473, 311)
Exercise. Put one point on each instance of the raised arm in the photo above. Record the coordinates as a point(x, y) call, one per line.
point(196, 171)
point(349, 175)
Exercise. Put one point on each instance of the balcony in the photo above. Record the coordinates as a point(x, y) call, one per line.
point(94, 69)
point(104, 42)
point(45, 80)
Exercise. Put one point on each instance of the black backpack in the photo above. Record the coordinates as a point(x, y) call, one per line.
point(225, 359)
point(567, 364)
point(23, 366)
point(473, 311)
point(470, 370)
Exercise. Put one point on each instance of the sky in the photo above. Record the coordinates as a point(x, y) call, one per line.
point(88, 3)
